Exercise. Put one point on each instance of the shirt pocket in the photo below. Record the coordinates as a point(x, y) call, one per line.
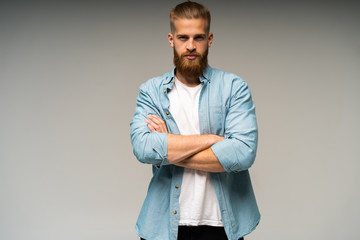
point(217, 119)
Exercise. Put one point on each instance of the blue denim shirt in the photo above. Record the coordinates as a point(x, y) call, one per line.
point(225, 109)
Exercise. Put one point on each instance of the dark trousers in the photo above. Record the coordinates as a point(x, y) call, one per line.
point(201, 233)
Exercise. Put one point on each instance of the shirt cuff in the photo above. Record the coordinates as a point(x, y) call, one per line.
point(224, 152)
point(161, 148)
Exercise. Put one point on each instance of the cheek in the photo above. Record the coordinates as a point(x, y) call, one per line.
point(202, 49)
point(179, 46)
point(178, 50)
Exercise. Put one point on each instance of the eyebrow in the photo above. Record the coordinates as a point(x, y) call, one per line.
point(200, 35)
point(196, 35)
point(182, 35)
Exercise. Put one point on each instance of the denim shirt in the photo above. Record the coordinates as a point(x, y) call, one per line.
point(225, 109)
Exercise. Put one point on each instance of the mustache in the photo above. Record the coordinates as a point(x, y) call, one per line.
point(191, 54)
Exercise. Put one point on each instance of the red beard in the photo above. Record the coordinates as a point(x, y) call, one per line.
point(190, 68)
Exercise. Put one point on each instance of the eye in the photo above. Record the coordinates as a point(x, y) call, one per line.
point(182, 38)
point(199, 38)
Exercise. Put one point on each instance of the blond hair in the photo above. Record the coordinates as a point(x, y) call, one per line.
point(189, 10)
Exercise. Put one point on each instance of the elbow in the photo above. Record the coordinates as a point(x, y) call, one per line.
point(139, 153)
point(148, 147)
point(235, 155)
point(139, 143)
point(243, 163)
point(248, 159)
point(245, 158)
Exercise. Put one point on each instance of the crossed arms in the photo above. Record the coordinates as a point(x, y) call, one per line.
point(235, 152)
point(188, 151)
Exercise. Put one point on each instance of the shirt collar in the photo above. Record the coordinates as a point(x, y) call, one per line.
point(205, 77)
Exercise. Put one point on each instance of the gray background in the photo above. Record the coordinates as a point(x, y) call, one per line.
point(70, 74)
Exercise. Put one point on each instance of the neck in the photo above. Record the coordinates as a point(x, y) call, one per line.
point(188, 81)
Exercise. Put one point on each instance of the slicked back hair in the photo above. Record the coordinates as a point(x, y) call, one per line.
point(189, 10)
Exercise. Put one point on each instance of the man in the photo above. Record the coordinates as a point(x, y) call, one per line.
point(197, 127)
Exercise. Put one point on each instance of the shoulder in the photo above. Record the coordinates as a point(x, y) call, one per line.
point(155, 84)
point(226, 79)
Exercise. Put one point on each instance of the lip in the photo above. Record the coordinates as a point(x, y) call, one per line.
point(191, 57)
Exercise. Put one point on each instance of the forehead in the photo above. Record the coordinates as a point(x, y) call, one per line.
point(190, 26)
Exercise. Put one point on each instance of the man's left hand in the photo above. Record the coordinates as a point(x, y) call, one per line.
point(155, 123)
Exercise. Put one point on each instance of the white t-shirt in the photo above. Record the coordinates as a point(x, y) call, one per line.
point(198, 201)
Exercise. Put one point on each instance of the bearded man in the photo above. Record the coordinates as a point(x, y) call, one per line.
point(196, 126)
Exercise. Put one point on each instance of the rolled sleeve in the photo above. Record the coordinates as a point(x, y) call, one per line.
point(151, 148)
point(234, 155)
point(148, 147)
point(238, 150)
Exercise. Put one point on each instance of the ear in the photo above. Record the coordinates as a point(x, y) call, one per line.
point(210, 39)
point(171, 39)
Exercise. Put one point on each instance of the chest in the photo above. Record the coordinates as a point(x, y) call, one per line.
point(184, 108)
point(201, 111)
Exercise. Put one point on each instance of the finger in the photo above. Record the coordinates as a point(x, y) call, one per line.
point(158, 124)
point(161, 124)
point(160, 119)
point(155, 119)
point(152, 129)
point(152, 124)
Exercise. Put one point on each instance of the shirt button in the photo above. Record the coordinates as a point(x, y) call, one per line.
point(165, 91)
point(175, 212)
point(177, 186)
point(167, 113)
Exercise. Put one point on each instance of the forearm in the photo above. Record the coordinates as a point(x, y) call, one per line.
point(204, 161)
point(181, 147)
point(192, 151)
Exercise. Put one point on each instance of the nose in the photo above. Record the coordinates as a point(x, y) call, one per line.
point(191, 45)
